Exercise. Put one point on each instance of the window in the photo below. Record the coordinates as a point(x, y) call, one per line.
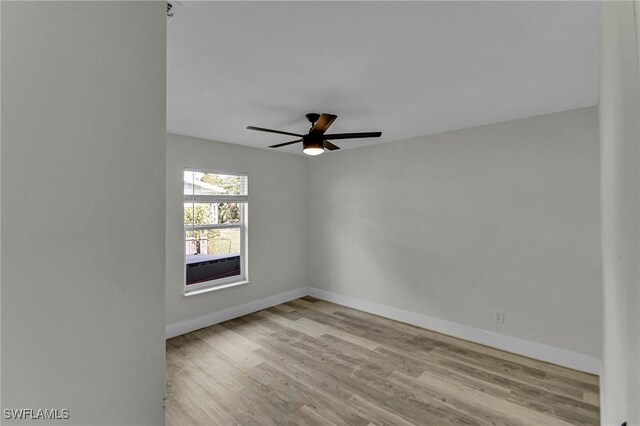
point(215, 228)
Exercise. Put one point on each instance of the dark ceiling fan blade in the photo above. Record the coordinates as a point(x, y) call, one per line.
point(353, 135)
point(284, 144)
point(262, 129)
point(331, 147)
point(323, 123)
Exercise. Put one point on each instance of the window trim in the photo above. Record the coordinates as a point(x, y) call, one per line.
point(216, 198)
point(213, 226)
point(221, 283)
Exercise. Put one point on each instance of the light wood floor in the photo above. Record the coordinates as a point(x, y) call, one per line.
point(309, 362)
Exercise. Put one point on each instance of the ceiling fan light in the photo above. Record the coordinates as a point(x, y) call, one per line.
point(313, 150)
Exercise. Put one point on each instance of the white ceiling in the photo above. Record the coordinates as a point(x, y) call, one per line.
point(404, 68)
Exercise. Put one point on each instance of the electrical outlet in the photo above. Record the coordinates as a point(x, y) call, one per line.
point(499, 317)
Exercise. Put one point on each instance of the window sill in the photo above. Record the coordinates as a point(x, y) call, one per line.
point(218, 287)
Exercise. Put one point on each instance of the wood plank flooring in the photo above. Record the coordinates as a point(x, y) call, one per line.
point(310, 362)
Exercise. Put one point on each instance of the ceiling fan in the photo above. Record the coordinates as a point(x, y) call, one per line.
point(316, 141)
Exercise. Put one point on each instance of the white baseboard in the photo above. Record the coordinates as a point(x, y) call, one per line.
point(187, 326)
point(563, 357)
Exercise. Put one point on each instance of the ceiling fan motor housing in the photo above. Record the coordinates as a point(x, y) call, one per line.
point(313, 140)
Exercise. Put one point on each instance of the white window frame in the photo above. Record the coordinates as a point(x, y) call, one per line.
point(243, 277)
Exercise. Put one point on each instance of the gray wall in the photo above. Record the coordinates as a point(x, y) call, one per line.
point(620, 146)
point(276, 227)
point(460, 224)
point(83, 209)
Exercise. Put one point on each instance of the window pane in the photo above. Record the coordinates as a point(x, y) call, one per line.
point(209, 268)
point(212, 213)
point(215, 242)
point(199, 183)
point(212, 254)
point(199, 214)
point(229, 212)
